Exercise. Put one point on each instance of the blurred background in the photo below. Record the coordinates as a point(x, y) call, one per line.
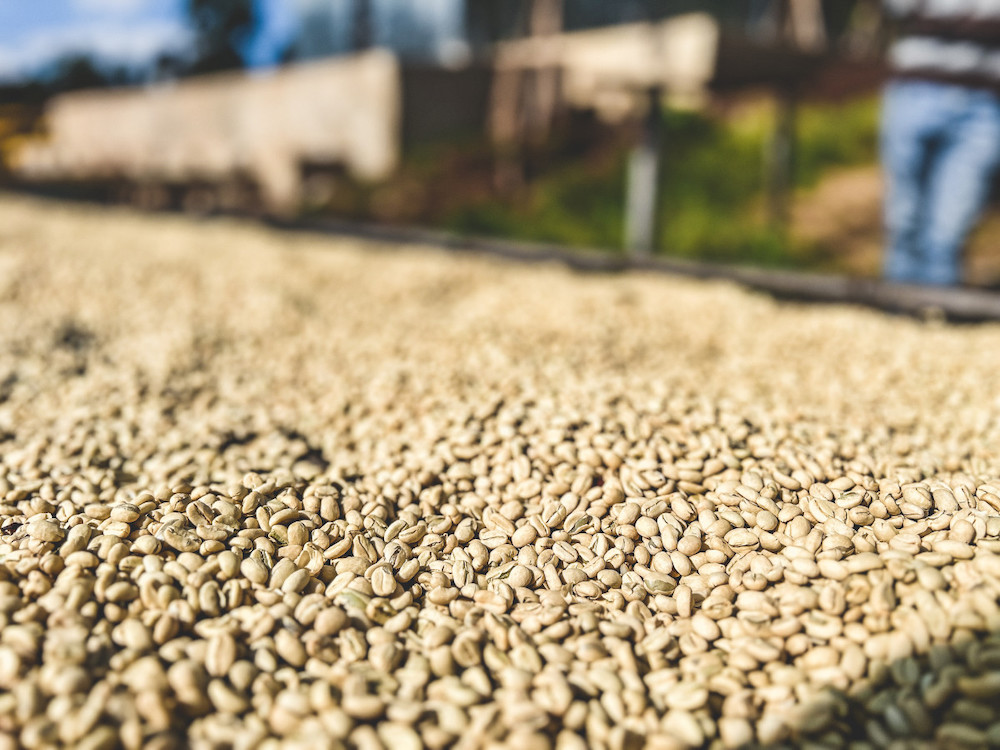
point(738, 131)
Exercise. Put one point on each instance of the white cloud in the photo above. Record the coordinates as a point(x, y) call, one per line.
point(8, 65)
point(120, 43)
point(116, 7)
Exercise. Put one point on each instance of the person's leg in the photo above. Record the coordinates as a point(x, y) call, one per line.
point(909, 121)
point(959, 185)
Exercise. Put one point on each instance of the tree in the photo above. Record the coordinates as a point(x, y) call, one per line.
point(75, 71)
point(488, 21)
point(168, 66)
point(222, 29)
point(361, 25)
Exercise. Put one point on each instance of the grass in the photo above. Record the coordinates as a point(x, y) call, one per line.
point(711, 193)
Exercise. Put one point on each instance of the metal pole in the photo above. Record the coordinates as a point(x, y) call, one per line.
point(643, 181)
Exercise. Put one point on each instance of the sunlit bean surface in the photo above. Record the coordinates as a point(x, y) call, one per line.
point(271, 491)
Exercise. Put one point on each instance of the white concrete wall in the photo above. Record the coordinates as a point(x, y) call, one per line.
point(605, 69)
point(345, 110)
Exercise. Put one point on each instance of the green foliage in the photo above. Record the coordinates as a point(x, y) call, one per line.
point(573, 206)
point(711, 190)
point(836, 136)
point(76, 71)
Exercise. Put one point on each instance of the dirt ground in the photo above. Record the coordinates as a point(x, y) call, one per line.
point(843, 215)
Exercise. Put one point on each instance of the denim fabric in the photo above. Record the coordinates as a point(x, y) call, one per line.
point(940, 146)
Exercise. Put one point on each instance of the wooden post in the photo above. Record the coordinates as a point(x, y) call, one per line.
point(780, 159)
point(523, 101)
point(642, 194)
point(546, 19)
point(801, 26)
point(808, 28)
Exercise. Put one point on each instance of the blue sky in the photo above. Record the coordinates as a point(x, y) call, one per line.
point(130, 31)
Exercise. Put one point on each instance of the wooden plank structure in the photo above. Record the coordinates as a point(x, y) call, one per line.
point(620, 72)
point(625, 72)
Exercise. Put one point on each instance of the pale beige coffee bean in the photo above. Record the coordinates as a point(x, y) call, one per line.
point(257, 495)
point(126, 512)
point(296, 581)
point(363, 706)
point(220, 654)
point(383, 582)
point(46, 531)
point(254, 571)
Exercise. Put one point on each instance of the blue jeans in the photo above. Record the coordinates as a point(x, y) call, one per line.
point(940, 146)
